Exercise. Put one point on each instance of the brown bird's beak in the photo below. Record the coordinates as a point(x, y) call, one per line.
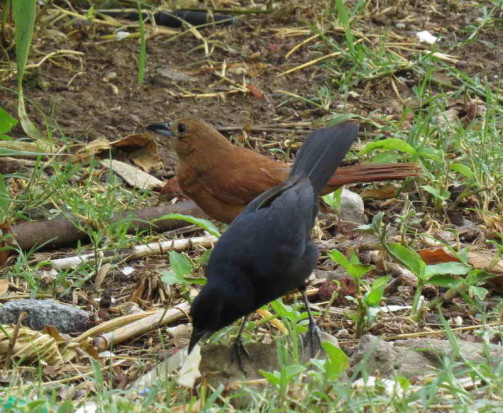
point(161, 128)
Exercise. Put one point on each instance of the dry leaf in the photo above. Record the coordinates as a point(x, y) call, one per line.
point(4, 285)
point(479, 259)
point(146, 155)
point(133, 176)
point(97, 146)
point(32, 346)
point(384, 192)
point(189, 372)
point(144, 152)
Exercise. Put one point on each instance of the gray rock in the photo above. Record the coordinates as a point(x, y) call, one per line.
point(165, 75)
point(351, 207)
point(218, 365)
point(414, 358)
point(45, 313)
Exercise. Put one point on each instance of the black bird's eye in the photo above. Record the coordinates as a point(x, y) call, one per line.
point(181, 128)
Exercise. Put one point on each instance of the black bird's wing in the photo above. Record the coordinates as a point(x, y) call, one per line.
point(269, 247)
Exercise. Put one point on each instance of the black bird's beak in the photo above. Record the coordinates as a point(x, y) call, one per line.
point(197, 335)
point(161, 128)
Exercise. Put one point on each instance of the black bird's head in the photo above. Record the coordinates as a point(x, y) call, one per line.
point(206, 314)
point(217, 305)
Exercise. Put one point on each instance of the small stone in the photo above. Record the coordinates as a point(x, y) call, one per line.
point(352, 208)
point(41, 313)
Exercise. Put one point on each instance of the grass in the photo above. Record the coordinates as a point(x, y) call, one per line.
point(452, 127)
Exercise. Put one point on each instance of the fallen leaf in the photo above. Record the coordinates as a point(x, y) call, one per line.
point(255, 91)
point(144, 151)
point(189, 372)
point(132, 175)
point(4, 285)
point(384, 192)
point(478, 259)
point(32, 346)
point(146, 155)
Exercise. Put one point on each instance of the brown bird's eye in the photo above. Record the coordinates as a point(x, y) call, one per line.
point(181, 128)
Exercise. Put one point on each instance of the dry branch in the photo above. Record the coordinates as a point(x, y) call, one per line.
point(137, 328)
point(65, 231)
point(139, 251)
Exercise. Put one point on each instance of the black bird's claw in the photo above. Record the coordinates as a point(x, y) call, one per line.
point(313, 338)
point(238, 349)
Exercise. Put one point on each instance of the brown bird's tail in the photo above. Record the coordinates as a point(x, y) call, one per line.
point(371, 173)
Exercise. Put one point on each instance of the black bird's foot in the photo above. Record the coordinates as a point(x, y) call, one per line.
point(238, 349)
point(313, 338)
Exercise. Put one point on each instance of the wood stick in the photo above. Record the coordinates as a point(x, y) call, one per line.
point(138, 251)
point(137, 328)
point(65, 231)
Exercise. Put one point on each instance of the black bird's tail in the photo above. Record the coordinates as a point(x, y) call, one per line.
point(322, 152)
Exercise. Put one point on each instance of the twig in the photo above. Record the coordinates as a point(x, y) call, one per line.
point(427, 333)
point(137, 328)
point(138, 251)
point(13, 339)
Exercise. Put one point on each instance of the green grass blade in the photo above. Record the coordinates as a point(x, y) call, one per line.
point(142, 58)
point(24, 18)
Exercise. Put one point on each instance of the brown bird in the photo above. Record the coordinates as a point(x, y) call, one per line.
point(222, 178)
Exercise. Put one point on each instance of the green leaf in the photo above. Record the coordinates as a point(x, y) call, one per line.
point(7, 122)
point(200, 222)
point(4, 200)
point(293, 370)
point(479, 292)
point(14, 152)
point(66, 407)
point(272, 378)
point(444, 281)
point(355, 270)
point(339, 258)
point(442, 194)
point(409, 258)
point(373, 298)
point(337, 361)
point(333, 199)
point(403, 382)
point(389, 144)
point(180, 264)
point(24, 18)
point(454, 268)
point(170, 278)
point(462, 169)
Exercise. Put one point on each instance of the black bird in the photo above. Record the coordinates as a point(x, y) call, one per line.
point(267, 250)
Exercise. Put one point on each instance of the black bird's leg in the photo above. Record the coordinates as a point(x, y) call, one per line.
point(313, 332)
point(239, 348)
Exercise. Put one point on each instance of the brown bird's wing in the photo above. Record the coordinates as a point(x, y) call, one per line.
point(243, 177)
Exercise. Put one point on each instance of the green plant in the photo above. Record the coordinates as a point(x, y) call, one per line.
point(142, 58)
point(24, 17)
point(296, 322)
point(410, 259)
point(181, 270)
point(366, 302)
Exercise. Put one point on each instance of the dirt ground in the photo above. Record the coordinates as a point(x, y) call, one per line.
point(96, 94)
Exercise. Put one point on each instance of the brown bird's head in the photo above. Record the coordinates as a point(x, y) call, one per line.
point(193, 137)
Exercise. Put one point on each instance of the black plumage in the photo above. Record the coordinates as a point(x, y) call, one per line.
point(267, 250)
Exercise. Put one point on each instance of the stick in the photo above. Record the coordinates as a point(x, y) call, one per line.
point(139, 251)
point(137, 328)
point(65, 231)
